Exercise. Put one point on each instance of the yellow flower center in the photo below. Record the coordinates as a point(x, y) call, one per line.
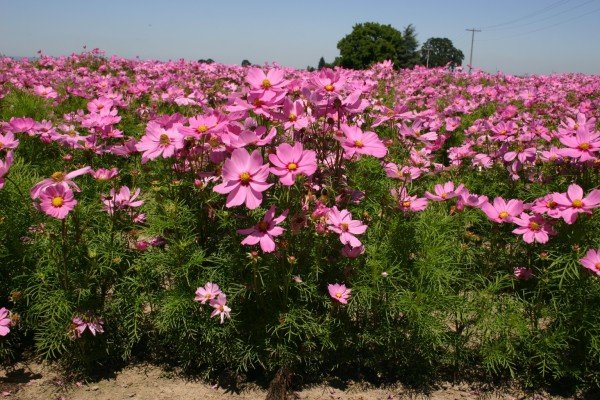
point(263, 226)
point(58, 176)
point(406, 204)
point(551, 204)
point(503, 214)
point(1, 145)
point(201, 128)
point(257, 103)
point(266, 84)
point(358, 143)
point(100, 106)
point(292, 166)
point(344, 227)
point(72, 133)
point(164, 140)
point(292, 117)
point(576, 126)
point(503, 132)
point(577, 203)
point(339, 295)
point(584, 146)
point(329, 88)
point(597, 266)
point(57, 201)
point(534, 226)
point(444, 195)
point(245, 178)
point(213, 142)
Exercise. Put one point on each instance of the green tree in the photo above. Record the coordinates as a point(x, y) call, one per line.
point(440, 52)
point(246, 63)
point(371, 42)
point(322, 63)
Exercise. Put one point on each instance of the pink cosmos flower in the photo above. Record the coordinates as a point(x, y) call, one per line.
point(273, 79)
point(207, 293)
point(534, 228)
point(573, 202)
point(404, 173)
point(444, 192)
point(59, 179)
point(352, 252)
point(470, 199)
point(121, 200)
point(244, 179)
point(591, 261)
point(5, 322)
point(547, 205)
point(45, 91)
point(159, 141)
point(355, 141)
point(582, 146)
point(409, 203)
point(290, 162)
point(293, 114)
point(339, 292)
point(265, 231)
point(4, 167)
point(341, 222)
point(81, 323)
point(220, 307)
point(501, 210)
point(522, 273)
point(57, 201)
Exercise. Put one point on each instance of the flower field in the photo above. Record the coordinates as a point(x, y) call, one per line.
point(379, 224)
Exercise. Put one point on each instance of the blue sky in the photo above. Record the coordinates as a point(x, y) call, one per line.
point(522, 36)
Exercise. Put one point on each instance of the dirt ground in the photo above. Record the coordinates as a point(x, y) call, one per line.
point(34, 381)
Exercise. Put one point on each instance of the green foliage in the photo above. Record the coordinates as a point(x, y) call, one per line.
point(371, 42)
point(439, 52)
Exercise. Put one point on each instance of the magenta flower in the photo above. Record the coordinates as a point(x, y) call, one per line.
point(220, 307)
point(244, 179)
point(501, 210)
point(5, 322)
point(4, 167)
point(573, 202)
point(80, 323)
point(159, 141)
point(57, 201)
point(207, 293)
point(103, 174)
point(121, 200)
point(265, 231)
point(273, 79)
point(341, 222)
point(534, 228)
point(8, 141)
point(290, 162)
point(339, 292)
point(59, 179)
point(591, 261)
point(355, 141)
point(444, 192)
point(409, 203)
point(470, 199)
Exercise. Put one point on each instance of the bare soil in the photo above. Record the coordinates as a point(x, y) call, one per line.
point(38, 381)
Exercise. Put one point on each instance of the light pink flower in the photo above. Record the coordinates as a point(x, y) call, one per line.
point(501, 210)
point(444, 192)
point(409, 203)
point(8, 141)
point(582, 145)
point(591, 261)
point(573, 202)
point(103, 174)
point(290, 162)
point(159, 141)
point(220, 307)
point(341, 222)
point(339, 292)
point(355, 141)
point(57, 201)
point(273, 79)
point(5, 322)
point(81, 323)
point(207, 293)
point(244, 179)
point(265, 231)
point(470, 199)
point(121, 200)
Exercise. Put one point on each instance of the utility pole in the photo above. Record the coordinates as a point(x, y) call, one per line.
point(428, 50)
point(472, 30)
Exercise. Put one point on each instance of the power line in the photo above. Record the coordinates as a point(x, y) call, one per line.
point(543, 19)
point(534, 13)
point(547, 26)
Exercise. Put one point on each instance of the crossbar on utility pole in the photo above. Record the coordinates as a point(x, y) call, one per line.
point(472, 30)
